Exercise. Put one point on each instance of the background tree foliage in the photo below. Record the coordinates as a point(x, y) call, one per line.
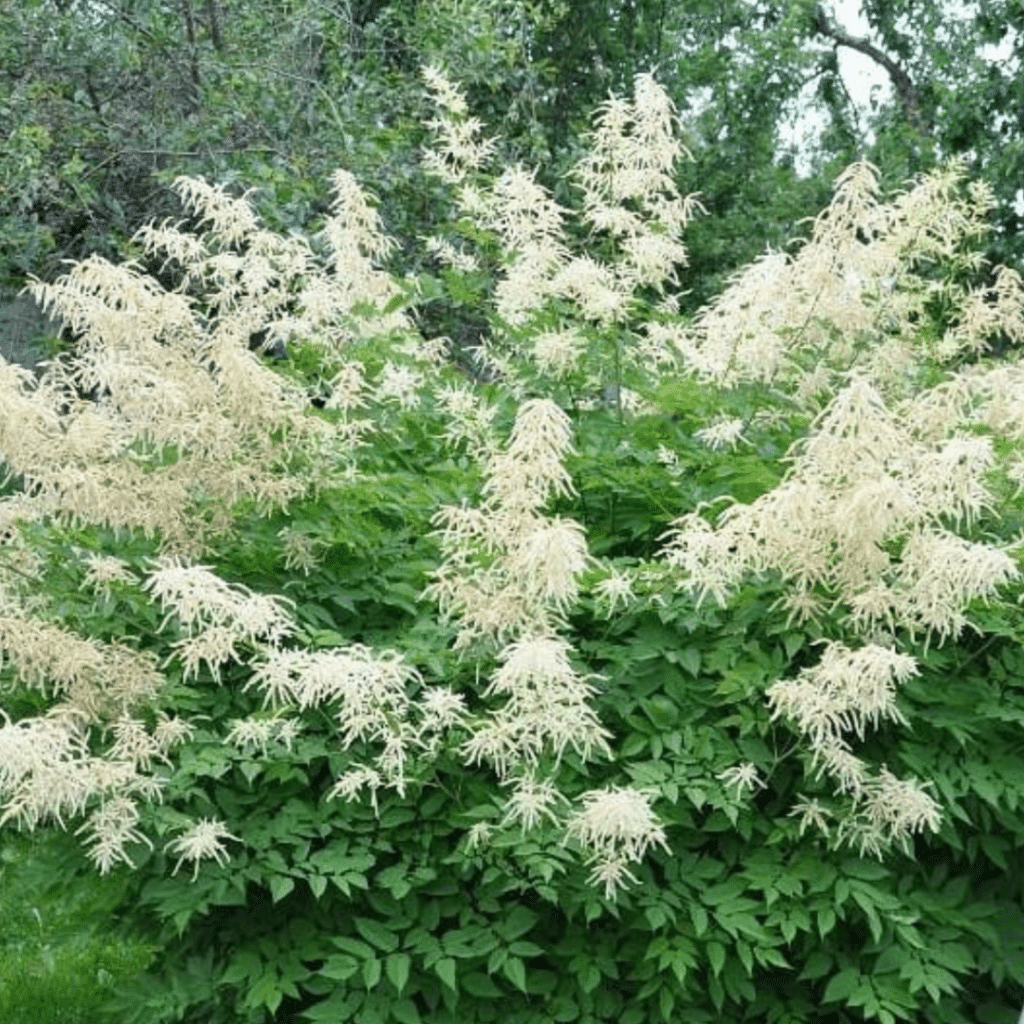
point(104, 100)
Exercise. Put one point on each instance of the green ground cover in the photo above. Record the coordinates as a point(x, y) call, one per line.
point(59, 954)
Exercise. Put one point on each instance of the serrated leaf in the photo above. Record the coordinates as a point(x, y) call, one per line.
point(842, 986)
point(689, 658)
point(589, 977)
point(478, 984)
point(525, 949)
point(340, 967)
point(350, 945)
point(662, 711)
point(891, 959)
point(655, 916)
point(245, 964)
point(717, 993)
point(519, 922)
point(633, 744)
point(265, 991)
point(746, 956)
point(338, 1006)
point(727, 894)
point(699, 916)
point(817, 965)
point(280, 886)
point(666, 1002)
point(874, 923)
point(865, 870)
point(680, 963)
point(405, 1011)
point(396, 967)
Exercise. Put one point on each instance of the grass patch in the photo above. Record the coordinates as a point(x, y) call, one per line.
point(60, 954)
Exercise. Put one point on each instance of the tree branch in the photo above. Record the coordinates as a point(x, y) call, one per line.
point(901, 81)
point(213, 16)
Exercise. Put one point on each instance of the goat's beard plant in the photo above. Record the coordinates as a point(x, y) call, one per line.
point(873, 532)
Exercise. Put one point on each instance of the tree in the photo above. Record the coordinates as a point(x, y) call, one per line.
point(108, 101)
point(748, 71)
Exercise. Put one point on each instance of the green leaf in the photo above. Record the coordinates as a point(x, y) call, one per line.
point(525, 949)
point(478, 984)
point(265, 992)
point(666, 1002)
point(353, 946)
point(655, 917)
point(280, 886)
point(891, 959)
point(866, 870)
point(338, 1006)
point(518, 922)
point(589, 977)
point(680, 961)
point(726, 893)
point(632, 745)
point(376, 934)
point(371, 972)
point(405, 1011)
point(445, 970)
point(245, 964)
point(662, 711)
point(817, 965)
point(395, 880)
point(340, 967)
point(515, 971)
point(396, 967)
point(699, 916)
point(874, 922)
point(716, 956)
point(842, 986)
point(746, 956)
point(689, 658)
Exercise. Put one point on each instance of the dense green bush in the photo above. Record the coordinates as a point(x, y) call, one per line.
point(384, 545)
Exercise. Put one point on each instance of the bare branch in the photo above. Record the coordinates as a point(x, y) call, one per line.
point(901, 81)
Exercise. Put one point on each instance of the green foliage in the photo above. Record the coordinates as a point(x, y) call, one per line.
point(96, 122)
point(329, 911)
point(388, 909)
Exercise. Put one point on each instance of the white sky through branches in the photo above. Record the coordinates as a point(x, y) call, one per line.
point(865, 82)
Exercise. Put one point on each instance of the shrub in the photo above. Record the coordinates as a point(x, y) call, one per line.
point(321, 650)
